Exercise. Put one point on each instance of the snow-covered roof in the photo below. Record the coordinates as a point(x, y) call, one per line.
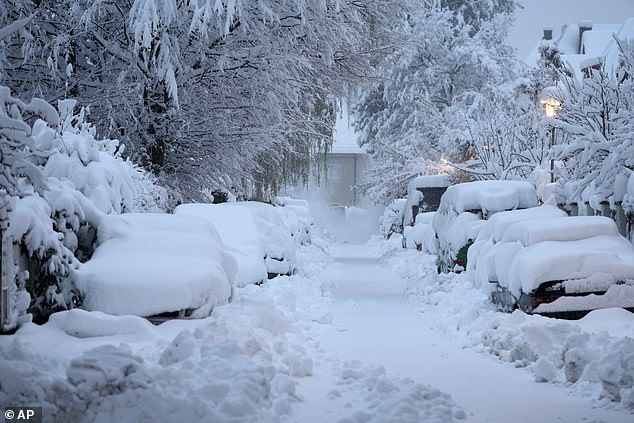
point(576, 63)
point(345, 137)
point(596, 41)
point(568, 41)
point(597, 45)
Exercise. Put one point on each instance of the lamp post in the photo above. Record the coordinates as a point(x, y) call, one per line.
point(551, 105)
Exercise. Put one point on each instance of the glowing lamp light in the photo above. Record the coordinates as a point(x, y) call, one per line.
point(551, 106)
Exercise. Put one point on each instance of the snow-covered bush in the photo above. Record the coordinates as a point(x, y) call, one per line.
point(26, 215)
point(57, 181)
point(391, 221)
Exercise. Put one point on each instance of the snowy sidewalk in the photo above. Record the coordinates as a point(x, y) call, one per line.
point(377, 330)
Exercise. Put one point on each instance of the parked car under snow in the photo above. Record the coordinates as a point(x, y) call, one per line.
point(463, 210)
point(238, 230)
point(423, 199)
point(557, 266)
point(148, 264)
point(301, 210)
point(275, 236)
point(421, 235)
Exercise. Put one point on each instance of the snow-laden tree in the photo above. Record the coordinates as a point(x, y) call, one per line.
point(407, 119)
point(204, 93)
point(505, 134)
point(25, 216)
point(597, 117)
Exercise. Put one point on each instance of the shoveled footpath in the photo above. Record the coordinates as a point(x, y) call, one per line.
point(382, 358)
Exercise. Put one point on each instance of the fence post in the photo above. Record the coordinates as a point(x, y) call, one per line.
point(605, 209)
point(620, 218)
point(7, 279)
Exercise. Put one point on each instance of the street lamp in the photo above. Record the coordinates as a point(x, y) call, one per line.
point(551, 106)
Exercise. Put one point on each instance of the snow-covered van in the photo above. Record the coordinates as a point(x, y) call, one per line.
point(559, 266)
point(463, 210)
point(423, 199)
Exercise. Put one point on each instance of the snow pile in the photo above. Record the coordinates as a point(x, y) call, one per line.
point(241, 364)
point(421, 235)
point(239, 232)
point(591, 354)
point(149, 264)
point(390, 398)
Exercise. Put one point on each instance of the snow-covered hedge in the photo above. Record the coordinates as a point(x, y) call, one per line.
point(56, 181)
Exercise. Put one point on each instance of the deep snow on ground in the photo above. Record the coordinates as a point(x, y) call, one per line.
point(363, 333)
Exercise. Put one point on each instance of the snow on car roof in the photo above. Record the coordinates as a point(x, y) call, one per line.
point(498, 224)
point(557, 229)
point(492, 196)
point(428, 181)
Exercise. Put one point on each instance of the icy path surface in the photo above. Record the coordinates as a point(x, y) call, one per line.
point(376, 328)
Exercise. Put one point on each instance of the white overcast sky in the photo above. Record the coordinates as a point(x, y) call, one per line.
point(530, 21)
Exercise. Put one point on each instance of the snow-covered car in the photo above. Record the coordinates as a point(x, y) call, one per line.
point(463, 210)
point(336, 211)
point(423, 195)
point(149, 264)
point(237, 229)
point(559, 266)
point(421, 235)
point(302, 211)
point(275, 237)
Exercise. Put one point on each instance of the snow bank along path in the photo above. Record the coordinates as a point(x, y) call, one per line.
point(376, 329)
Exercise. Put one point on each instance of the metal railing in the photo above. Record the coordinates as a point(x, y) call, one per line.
point(624, 221)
